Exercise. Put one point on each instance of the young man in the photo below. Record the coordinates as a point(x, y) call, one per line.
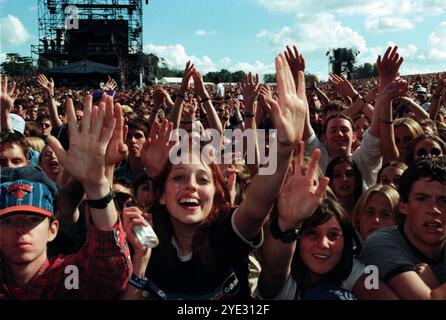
point(136, 136)
point(411, 258)
point(100, 270)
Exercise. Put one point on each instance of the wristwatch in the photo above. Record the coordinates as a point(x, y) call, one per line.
point(285, 236)
point(103, 202)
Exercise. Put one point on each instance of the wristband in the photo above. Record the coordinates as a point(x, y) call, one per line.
point(138, 282)
point(205, 100)
point(364, 100)
point(103, 202)
point(248, 115)
point(51, 96)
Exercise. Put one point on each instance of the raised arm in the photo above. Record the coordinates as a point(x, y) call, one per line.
point(288, 116)
point(393, 90)
point(211, 114)
point(175, 114)
point(413, 106)
point(297, 64)
point(297, 201)
point(388, 68)
point(7, 99)
point(251, 90)
point(85, 160)
point(48, 85)
point(436, 98)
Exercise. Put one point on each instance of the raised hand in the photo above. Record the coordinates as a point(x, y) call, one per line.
point(110, 85)
point(295, 61)
point(394, 89)
point(343, 86)
point(199, 88)
point(46, 84)
point(250, 90)
point(85, 160)
point(388, 66)
point(288, 113)
point(301, 194)
point(7, 97)
point(188, 71)
point(117, 150)
point(155, 151)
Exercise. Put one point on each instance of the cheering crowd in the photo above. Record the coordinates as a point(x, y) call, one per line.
point(355, 208)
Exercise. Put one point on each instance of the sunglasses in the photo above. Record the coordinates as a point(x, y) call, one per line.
point(45, 125)
point(434, 152)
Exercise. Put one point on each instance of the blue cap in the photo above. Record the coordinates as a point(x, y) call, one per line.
point(25, 196)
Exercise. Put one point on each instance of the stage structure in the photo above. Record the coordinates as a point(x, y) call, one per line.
point(342, 60)
point(103, 31)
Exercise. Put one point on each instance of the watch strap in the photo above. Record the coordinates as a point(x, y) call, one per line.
point(103, 202)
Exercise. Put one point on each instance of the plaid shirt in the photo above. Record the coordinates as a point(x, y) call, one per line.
point(103, 264)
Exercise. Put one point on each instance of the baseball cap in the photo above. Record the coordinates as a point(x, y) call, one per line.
point(25, 195)
point(421, 90)
point(26, 189)
point(17, 122)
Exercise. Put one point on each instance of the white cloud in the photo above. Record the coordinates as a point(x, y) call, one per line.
point(262, 34)
point(12, 31)
point(2, 56)
point(384, 24)
point(436, 43)
point(316, 35)
point(176, 57)
point(381, 15)
point(204, 33)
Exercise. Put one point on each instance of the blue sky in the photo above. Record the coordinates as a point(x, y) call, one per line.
point(247, 34)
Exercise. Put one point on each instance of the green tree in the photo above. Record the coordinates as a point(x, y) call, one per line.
point(17, 66)
point(269, 78)
point(238, 76)
point(367, 70)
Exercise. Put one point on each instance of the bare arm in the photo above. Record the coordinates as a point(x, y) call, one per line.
point(7, 99)
point(48, 85)
point(293, 208)
point(85, 160)
point(288, 117)
point(175, 114)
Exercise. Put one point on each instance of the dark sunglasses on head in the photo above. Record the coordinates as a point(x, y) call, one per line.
point(434, 152)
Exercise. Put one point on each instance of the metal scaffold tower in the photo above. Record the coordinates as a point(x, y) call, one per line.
point(104, 31)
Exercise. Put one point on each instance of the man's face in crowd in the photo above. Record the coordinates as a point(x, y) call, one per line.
point(46, 127)
point(19, 110)
point(422, 98)
point(24, 237)
point(425, 211)
point(135, 140)
point(32, 113)
point(339, 137)
point(12, 156)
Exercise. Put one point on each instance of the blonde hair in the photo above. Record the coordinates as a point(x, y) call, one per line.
point(36, 143)
point(387, 191)
point(413, 126)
